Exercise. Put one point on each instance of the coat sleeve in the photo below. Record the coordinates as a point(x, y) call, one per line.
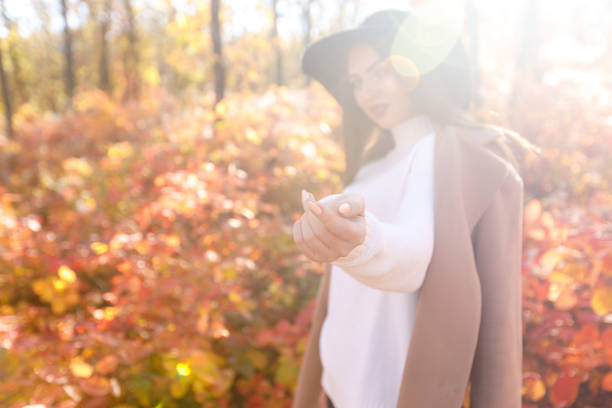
point(395, 256)
point(496, 375)
point(308, 389)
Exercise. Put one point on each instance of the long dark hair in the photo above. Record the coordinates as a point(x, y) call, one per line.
point(443, 94)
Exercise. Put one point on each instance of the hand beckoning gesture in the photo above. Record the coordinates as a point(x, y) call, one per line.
point(331, 227)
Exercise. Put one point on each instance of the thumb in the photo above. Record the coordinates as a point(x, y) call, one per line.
point(351, 205)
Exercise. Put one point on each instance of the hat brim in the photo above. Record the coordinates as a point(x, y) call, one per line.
point(325, 59)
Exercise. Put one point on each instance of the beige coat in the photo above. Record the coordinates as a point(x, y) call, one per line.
point(468, 325)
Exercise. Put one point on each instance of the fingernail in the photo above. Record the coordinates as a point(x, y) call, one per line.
point(344, 208)
point(304, 195)
point(315, 208)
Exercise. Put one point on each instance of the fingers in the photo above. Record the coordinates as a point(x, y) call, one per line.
point(326, 230)
point(309, 241)
point(313, 212)
point(313, 242)
point(338, 245)
point(308, 203)
point(347, 229)
point(355, 203)
point(310, 245)
point(313, 238)
point(351, 205)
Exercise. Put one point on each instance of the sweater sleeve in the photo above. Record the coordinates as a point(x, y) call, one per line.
point(395, 256)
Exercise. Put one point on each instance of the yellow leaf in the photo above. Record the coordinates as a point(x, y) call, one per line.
point(99, 247)
point(77, 166)
point(59, 285)
point(110, 312)
point(66, 274)
point(252, 137)
point(533, 388)
point(229, 274)
point(58, 305)
point(235, 297)
point(43, 289)
point(80, 368)
point(221, 108)
point(322, 174)
point(252, 75)
point(151, 76)
point(183, 369)
point(173, 241)
point(121, 150)
point(601, 302)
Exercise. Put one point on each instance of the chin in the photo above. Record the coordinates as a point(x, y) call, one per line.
point(384, 124)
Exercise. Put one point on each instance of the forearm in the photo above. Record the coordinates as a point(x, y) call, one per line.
point(393, 257)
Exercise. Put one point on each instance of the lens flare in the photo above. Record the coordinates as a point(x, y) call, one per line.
point(427, 37)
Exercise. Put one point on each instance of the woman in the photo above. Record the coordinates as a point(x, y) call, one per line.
point(421, 293)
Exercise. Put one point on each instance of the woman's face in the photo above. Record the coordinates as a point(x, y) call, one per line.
point(380, 92)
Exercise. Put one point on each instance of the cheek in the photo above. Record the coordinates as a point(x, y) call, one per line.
point(392, 90)
point(396, 101)
point(358, 98)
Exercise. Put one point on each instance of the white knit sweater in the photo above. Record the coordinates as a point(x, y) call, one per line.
point(374, 289)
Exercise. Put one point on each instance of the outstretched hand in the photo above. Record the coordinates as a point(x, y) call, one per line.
point(331, 227)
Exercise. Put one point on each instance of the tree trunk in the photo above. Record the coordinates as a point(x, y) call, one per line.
point(279, 80)
point(6, 97)
point(162, 51)
point(219, 70)
point(104, 71)
point(131, 58)
point(18, 81)
point(307, 24)
point(526, 64)
point(6, 160)
point(69, 73)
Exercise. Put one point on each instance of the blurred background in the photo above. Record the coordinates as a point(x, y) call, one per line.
point(152, 155)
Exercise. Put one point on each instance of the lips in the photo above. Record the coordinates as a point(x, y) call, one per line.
point(379, 109)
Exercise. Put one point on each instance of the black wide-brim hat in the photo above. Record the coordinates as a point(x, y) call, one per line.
point(429, 47)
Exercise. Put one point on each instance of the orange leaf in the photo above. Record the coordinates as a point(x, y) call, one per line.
point(606, 383)
point(97, 386)
point(107, 364)
point(589, 333)
point(564, 391)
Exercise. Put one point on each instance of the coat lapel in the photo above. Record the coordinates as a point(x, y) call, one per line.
point(445, 332)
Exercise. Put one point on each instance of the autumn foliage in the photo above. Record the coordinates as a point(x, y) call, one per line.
point(147, 259)
point(567, 257)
